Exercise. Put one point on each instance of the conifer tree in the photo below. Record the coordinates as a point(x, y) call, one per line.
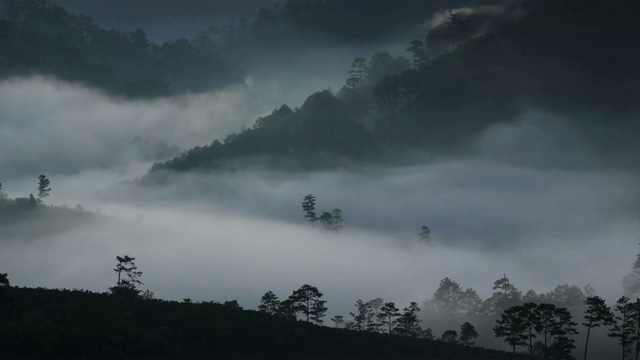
point(450, 336)
point(307, 300)
point(126, 267)
point(388, 316)
point(408, 322)
point(269, 303)
point(338, 320)
point(43, 188)
point(425, 234)
point(625, 327)
point(360, 317)
point(4, 280)
point(512, 327)
point(309, 208)
point(468, 334)
point(596, 314)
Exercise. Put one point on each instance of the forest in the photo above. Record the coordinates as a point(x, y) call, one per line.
point(126, 321)
point(322, 178)
point(469, 73)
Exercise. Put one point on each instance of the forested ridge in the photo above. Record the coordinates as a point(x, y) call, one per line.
point(39, 37)
point(474, 70)
point(74, 324)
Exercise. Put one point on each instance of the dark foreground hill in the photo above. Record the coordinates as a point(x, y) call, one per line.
point(74, 324)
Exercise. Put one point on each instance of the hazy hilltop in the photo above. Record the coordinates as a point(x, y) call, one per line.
point(44, 38)
point(477, 67)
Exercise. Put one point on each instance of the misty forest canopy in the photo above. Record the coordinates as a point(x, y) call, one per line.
point(37, 36)
point(476, 69)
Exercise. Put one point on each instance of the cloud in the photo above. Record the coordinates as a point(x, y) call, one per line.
point(530, 198)
point(56, 127)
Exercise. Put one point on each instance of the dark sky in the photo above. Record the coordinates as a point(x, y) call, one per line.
point(164, 19)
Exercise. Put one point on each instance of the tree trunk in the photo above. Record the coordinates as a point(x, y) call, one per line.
point(530, 344)
point(587, 342)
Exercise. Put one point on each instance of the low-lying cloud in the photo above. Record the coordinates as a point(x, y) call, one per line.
point(528, 200)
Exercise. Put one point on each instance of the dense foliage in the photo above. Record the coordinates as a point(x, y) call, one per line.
point(37, 37)
point(63, 323)
point(474, 70)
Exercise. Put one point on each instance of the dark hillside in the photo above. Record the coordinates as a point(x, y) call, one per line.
point(74, 324)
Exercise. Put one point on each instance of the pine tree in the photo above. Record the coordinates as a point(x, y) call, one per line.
point(126, 287)
point(468, 334)
point(388, 315)
point(512, 327)
point(43, 188)
point(565, 328)
point(408, 322)
point(450, 336)
point(546, 325)
point(309, 208)
point(360, 317)
point(625, 327)
point(425, 234)
point(338, 320)
point(332, 221)
point(269, 303)
point(307, 300)
point(4, 280)
point(631, 282)
point(596, 314)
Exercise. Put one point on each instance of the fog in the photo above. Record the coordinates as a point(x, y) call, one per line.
point(514, 206)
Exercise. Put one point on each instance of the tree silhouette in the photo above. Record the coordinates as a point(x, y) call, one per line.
point(358, 72)
point(512, 327)
point(338, 320)
point(126, 267)
point(529, 316)
point(269, 303)
point(428, 334)
point(596, 314)
point(309, 208)
point(625, 327)
point(408, 322)
point(425, 234)
point(546, 324)
point(631, 282)
point(419, 53)
point(286, 309)
point(468, 334)
point(360, 317)
point(43, 188)
point(4, 280)
point(450, 336)
point(332, 221)
point(372, 322)
point(564, 329)
point(636, 337)
point(388, 315)
point(505, 297)
point(307, 300)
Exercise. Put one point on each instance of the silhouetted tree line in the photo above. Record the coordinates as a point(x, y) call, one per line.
point(317, 134)
point(81, 324)
point(128, 322)
point(39, 37)
point(474, 70)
